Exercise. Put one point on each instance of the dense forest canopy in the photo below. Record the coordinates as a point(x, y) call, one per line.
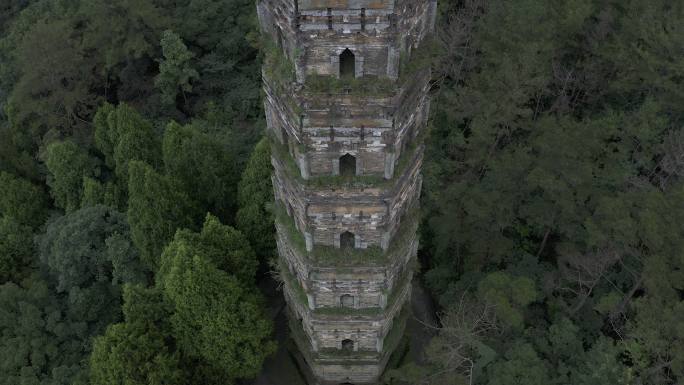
point(553, 193)
point(123, 125)
point(135, 194)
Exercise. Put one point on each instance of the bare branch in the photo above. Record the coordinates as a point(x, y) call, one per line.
point(454, 349)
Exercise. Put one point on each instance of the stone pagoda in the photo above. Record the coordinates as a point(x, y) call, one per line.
point(346, 100)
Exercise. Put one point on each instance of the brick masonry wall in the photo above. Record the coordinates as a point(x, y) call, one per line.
point(345, 299)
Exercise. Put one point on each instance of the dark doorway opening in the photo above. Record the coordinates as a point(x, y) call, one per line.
point(347, 64)
point(347, 300)
point(347, 240)
point(348, 345)
point(348, 165)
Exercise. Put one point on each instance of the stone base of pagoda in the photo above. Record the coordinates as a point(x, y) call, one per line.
point(336, 367)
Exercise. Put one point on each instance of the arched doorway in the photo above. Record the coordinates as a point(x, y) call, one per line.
point(348, 165)
point(347, 300)
point(347, 240)
point(347, 64)
point(348, 345)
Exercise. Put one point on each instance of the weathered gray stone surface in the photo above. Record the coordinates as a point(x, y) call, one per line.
point(346, 128)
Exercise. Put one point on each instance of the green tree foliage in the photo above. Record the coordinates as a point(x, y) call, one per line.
point(23, 207)
point(48, 322)
point(218, 316)
point(89, 255)
point(555, 158)
point(93, 192)
point(121, 33)
point(207, 327)
point(13, 158)
point(52, 87)
point(59, 60)
point(509, 296)
point(137, 351)
point(229, 76)
point(68, 165)
point(22, 200)
point(204, 167)
point(41, 343)
point(255, 192)
point(175, 70)
point(9, 11)
point(602, 364)
point(157, 206)
point(16, 249)
point(657, 340)
point(64, 58)
point(224, 246)
point(123, 135)
point(553, 192)
point(521, 365)
point(63, 65)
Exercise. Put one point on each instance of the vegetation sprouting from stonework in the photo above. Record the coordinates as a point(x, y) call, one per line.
point(277, 66)
point(420, 59)
point(298, 334)
point(405, 233)
point(295, 286)
point(295, 237)
point(401, 282)
point(395, 334)
point(281, 152)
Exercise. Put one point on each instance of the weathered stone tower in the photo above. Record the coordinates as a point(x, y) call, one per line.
point(346, 100)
